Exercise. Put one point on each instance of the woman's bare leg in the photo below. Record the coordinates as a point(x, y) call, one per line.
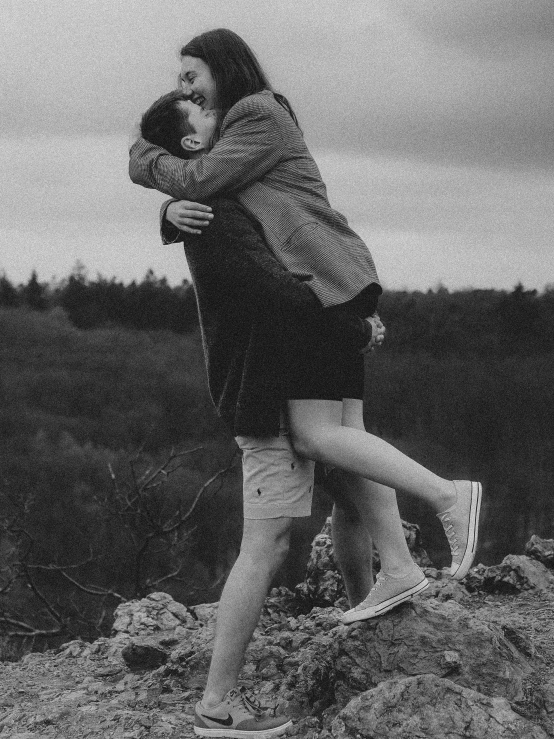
point(317, 433)
point(364, 510)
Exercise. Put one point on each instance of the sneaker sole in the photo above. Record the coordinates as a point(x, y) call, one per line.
point(241, 734)
point(386, 605)
point(475, 510)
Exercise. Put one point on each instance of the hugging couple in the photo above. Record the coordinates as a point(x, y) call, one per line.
point(287, 297)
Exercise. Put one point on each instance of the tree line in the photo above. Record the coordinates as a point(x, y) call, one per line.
point(151, 304)
point(107, 435)
point(440, 322)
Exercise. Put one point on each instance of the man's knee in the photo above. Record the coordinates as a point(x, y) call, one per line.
point(267, 540)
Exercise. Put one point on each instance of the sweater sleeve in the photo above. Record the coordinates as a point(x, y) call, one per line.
point(246, 269)
point(250, 145)
point(244, 266)
point(169, 233)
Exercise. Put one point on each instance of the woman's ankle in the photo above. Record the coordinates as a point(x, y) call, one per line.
point(447, 497)
point(398, 569)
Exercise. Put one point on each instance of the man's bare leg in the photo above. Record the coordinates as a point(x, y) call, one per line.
point(264, 547)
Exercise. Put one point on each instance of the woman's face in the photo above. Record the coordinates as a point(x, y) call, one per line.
point(197, 82)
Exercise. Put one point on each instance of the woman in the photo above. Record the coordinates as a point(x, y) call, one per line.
point(260, 156)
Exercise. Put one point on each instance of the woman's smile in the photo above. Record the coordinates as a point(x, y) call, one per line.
point(197, 82)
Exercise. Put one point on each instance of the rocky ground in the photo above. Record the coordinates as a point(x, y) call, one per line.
point(468, 660)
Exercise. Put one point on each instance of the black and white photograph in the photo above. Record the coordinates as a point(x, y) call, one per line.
point(277, 369)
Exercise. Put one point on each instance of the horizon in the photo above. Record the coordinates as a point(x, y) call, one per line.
point(81, 270)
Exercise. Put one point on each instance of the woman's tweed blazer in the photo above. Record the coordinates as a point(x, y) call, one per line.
point(250, 310)
point(262, 158)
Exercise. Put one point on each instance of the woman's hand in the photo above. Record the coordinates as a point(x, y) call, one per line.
point(189, 217)
point(378, 332)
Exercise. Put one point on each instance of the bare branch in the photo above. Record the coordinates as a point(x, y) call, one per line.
point(113, 479)
point(56, 568)
point(8, 586)
point(92, 590)
point(13, 622)
point(49, 607)
point(30, 631)
point(199, 494)
point(154, 583)
point(148, 477)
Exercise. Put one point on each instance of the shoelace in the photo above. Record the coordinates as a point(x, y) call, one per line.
point(251, 705)
point(379, 580)
point(450, 533)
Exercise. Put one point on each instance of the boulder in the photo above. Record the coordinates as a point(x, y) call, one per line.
point(143, 656)
point(323, 585)
point(431, 707)
point(156, 612)
point(514, 574)
point(422, 637)
point(541, 549)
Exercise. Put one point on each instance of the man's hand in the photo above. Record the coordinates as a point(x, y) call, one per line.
point(377, 333)
point(189, 217)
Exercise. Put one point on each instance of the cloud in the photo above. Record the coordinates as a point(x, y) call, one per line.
point(490, 28)
point(432, 119)
point(441, 80)
point(71, 199)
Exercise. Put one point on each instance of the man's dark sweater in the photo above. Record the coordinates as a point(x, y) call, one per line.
point(252, 311)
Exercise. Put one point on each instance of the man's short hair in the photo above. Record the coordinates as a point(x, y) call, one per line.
point(165, 123)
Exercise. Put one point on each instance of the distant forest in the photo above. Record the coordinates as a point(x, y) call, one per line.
point(117, 478)
point(481, 322)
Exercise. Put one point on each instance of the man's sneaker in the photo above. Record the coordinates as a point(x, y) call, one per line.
point(461, 523)
point(387, 593)
point(238, 716)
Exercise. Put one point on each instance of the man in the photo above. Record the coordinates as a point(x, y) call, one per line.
point(253, 313)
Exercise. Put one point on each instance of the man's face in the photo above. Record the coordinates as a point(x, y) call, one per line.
point(203, 121)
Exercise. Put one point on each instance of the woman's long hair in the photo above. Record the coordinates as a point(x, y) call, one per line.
point(236, 71)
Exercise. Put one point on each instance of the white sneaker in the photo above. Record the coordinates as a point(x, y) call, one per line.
point(239, 717)
point(461, 524)
point(387, 593)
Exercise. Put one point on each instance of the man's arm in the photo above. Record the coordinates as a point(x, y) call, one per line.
point(251, 144)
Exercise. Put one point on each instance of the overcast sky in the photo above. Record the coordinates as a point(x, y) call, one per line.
point(431, 120)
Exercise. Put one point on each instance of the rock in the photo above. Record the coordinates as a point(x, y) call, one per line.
point(143, 656)
point(156, 612)
point(541, 549)
point(431, 707)
point(418, 638)
point(444, 663)
point(514, 574)
point(323, 585)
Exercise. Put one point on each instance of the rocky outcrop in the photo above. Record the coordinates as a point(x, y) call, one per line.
point(157, 612)
point(541, 549)
point(401, 708)
point(427, 637)
point(323, 585)
point(459, 661)
point(514, 574)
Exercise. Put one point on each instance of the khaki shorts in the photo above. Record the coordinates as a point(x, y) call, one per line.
point(276, 481)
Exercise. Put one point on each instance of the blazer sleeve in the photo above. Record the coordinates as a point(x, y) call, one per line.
point(251, 144)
